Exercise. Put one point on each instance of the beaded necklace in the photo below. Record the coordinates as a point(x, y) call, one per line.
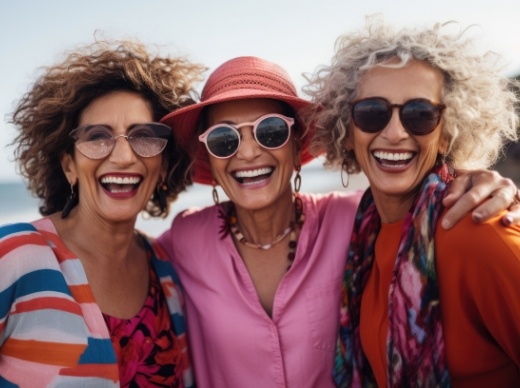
point(297, 223)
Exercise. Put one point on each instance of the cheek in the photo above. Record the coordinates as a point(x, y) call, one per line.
point(360, 141)
point(217, 166)
point(286, 156)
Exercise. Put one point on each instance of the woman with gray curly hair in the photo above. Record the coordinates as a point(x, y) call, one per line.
point(85, 299)
point(421, 306)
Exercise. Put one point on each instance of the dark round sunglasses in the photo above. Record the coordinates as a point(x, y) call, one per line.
point(418, 116)
point(271, 131)
point(97, 141)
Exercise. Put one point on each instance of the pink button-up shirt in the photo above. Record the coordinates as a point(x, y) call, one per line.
point(234, 343)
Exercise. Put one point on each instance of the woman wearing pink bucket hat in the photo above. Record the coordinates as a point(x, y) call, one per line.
point(262, 272)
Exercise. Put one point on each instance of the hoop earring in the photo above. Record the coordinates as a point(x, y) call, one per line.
point(161, 191)
point(347, 155)
point(297, 180)
point(71, 202)
point(215, 192)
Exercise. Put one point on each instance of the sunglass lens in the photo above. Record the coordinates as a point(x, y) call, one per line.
point(272, 132)
point(222, 141)
point(371, 115)
point(420, 117)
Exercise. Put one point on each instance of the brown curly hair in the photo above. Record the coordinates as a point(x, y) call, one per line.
point(51, 109)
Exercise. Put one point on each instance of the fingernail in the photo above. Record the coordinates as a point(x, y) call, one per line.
point(507, 220)
point(477, 217)
point(446, 224)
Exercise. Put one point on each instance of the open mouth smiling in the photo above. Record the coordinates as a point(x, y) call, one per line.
point(118, 184)
point(393, 159)
point(253, 176)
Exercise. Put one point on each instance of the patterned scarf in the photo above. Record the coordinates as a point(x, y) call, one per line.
point(415, 344)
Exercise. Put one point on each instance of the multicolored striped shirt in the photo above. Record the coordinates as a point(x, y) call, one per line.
point(52, 333)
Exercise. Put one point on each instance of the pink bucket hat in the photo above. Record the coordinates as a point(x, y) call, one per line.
point(237, 79)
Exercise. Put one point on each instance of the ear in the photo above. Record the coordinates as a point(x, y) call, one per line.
point(443, 145)
point(349, 143)
point(164, 168)
point(69, 167)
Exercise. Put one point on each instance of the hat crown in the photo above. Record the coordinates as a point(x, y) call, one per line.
point(249, 73)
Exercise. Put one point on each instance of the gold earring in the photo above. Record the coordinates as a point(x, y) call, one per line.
point(215, 192)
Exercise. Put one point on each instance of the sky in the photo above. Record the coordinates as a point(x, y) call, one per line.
point(298, 35)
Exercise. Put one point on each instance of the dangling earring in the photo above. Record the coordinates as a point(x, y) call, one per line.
point(161, 191)
point(71, 202)
point(451, 170)
point(347, 155)
point(297, 180)
point(298, 204)
point(215, 192)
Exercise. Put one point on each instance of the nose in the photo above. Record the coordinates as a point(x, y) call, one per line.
point(249, 148)
point(394, 131)
point(122, 151)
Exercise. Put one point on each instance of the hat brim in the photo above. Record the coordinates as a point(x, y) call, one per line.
point(184, 124)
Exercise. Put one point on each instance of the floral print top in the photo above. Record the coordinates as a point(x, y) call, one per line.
point(148, 351)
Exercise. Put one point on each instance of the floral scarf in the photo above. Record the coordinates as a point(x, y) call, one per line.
point(415, 344)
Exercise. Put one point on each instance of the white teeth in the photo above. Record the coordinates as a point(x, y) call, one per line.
point(393, 156)
point(121, 190)
point(253, 173)
point(120, 180)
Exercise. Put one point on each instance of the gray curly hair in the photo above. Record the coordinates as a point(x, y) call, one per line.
point(480, 115)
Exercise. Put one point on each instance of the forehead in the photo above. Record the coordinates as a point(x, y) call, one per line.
point(398, 84)
point(118, 107)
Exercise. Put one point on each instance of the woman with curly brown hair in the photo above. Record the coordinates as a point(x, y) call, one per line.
point(84, 297)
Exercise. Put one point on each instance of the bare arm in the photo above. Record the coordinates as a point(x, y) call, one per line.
point(484, 193)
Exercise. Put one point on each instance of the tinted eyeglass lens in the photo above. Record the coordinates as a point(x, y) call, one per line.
point(272, 132)
point(97, 141)
point(371, 115)
point(94, 141)
point(420, 117)
point(223, 141)
point(149, 140)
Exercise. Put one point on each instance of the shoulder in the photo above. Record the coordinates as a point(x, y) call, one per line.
point(488, 246)
point(27, 257)
point(14, 230)
point(469, 233)
point(190, 224)
point(196, 216)
point(197, 222)
point(334, 204)
point(19, 237)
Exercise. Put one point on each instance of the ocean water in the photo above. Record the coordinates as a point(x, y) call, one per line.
point(18, 205)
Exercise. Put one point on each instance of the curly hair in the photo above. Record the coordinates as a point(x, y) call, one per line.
point(480, 115)
point(52, 107)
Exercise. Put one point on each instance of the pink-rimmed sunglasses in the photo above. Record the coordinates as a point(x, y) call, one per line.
point(271, 131)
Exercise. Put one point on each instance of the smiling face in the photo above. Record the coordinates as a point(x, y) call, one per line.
point(115, 188)
point(394, 160)
point(255, 177)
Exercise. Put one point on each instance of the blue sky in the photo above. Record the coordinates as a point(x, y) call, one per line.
point(298, 35)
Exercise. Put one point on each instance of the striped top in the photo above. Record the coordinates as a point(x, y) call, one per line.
point(52, 332)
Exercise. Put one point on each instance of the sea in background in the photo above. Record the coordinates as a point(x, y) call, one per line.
point(18, 205)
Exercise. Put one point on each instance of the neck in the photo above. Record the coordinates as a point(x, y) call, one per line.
point(264, 226)
point(94, 239)
point(393, 208)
